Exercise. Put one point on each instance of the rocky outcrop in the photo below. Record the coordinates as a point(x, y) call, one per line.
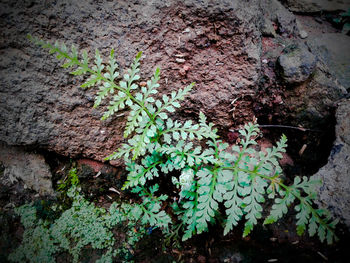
point(41, 105)
point(29, 168)
point(312, 6)
point(334, 193)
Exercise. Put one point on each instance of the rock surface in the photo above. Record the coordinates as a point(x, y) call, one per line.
point(310, 103)
point(296, 64)
point(41, 104)
point(312, 6)
point(29, 168)
point(335, 191)
point(284, 20)
point(333, 49)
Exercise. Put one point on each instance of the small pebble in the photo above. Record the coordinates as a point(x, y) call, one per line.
point(303, 34)
point(180, 60)
point(264, 61)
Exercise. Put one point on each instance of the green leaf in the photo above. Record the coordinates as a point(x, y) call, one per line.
point(247, 228)
point(163, 115)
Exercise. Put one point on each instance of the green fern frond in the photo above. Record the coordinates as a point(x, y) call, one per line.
point(318, 220)
point(170, 103)
point(189, 216)
point(132, 74)
point(174, 130)
point(137, 114)
point(280, 207)
point(315, 220)
point(150, 210)
point(252, 203)
point(123, 152)
point(183, 154)
point(117, 103)
point(96, 72)
point(240, 177)
point(233, 204)
point(207, 204)
point(140, 173)
point(210, 188)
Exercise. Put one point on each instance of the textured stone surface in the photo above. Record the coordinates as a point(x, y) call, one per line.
point(333, 49)
point(296, 64)
point(311, 6)
point(29, 168)
point(42, 106)
point(335, 191)
point(284, 20)
point(312, 104)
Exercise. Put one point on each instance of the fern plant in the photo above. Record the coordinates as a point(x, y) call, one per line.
point(240, 177)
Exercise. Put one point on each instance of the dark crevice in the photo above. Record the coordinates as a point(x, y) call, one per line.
point(308, 149)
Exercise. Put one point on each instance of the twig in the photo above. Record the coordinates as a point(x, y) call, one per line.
point(289, 127)
point(322, 256)
point(285, 126)
point(112, 189)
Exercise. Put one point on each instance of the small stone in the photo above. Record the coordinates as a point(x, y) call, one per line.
point(296, 64)
point(303, 34)
point(264, 61)
point(180, 60)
